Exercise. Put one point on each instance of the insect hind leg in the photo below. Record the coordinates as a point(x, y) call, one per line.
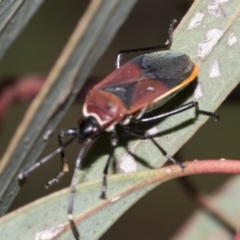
point(74, 183)
point(64, 167)
point(148, 136)
point(165, 46)
point(182, 108)
point(171, 159)
point(203, 112)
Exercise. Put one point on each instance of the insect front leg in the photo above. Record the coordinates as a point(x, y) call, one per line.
point(24, 175)
point(166, 46)
point(64, 167)
point(113, 142)
point(73, 186)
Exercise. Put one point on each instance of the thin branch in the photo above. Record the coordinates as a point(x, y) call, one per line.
point(206, 202)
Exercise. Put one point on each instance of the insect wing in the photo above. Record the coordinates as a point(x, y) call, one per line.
point(149, 80)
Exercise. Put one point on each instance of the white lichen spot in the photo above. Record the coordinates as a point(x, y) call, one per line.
point(168, 171)
point(232, 39)
point(150, 88)
point(196, 20)
point(215, 9)
point(206, 46)
point(127, 163)
point(222, 159)
point(115, 199)
point(152, 131)
point(49, 233)
point(214, 70)
point(198, 92)
point(47, 134)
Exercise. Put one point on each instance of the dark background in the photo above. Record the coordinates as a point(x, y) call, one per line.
point(36, 50)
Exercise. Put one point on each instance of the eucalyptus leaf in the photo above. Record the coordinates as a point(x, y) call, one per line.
point(207, 37)
point(14, 15)
point(96, 28)
point(46, 218)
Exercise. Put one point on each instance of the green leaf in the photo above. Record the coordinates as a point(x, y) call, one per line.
point(91, 37)
point(219, 74)
point(47, 216)
point(14, 15)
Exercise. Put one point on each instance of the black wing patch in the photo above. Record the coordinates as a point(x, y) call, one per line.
point(168, 68)
point(124, 91)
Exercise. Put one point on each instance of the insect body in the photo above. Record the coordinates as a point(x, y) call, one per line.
point(134, 88)
point(138, 86)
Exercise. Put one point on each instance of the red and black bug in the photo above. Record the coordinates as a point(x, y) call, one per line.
point(134, 88)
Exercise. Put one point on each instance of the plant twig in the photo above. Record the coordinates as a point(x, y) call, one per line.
point(205, 201)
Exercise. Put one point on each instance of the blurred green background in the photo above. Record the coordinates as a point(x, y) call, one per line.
point(162, 211)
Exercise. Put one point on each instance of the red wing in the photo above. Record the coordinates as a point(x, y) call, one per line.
point(145, 93)
point(149, 78)
point(127, 73)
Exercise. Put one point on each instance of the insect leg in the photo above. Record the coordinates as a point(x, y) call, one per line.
point(165, 153)
point(114, 142)
point(181, 109)
point(147, 136)
point(73, 189)
point(166, 46)
point(64, 167)
point(24, 175)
